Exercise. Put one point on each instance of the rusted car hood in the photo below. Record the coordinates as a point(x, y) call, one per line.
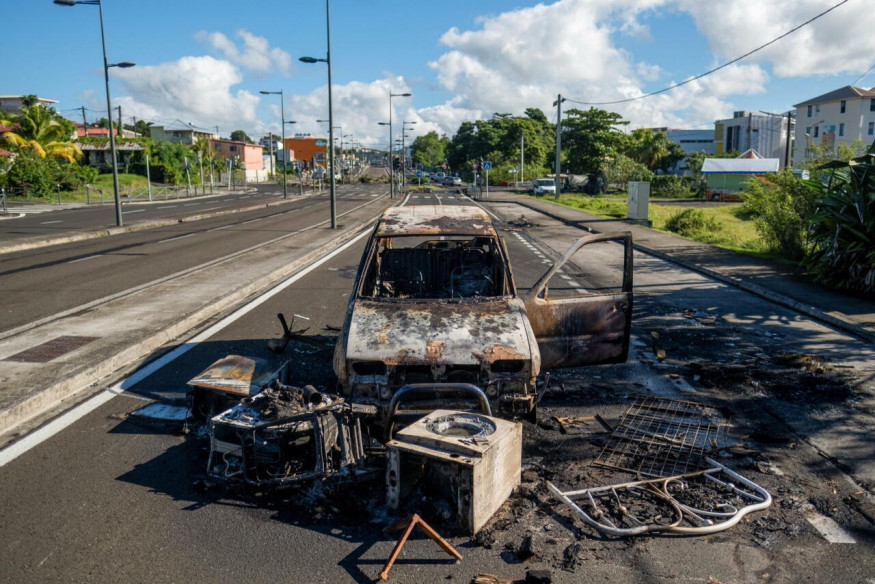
point(402, 333)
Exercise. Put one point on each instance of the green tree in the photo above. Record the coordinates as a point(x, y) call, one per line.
point(499, 139)
point(429, 150)
point(170, 156)
point(590, 139)
point(241, 136)
point(623, 169)
point(43, 131)
point(695, 160)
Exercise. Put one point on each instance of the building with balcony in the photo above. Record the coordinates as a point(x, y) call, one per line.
point(14, 103)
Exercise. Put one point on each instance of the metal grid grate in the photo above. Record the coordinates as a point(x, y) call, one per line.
point(660, 437)
point(51, 349)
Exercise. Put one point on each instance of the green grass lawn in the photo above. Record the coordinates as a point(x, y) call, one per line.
point(104, 183)
point(734, 230)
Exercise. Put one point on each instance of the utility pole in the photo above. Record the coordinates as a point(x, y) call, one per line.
point(84, 122)
point(120, 133)
point(558, 181)
point(522, 156)
point(749, 129)
point(787, 145)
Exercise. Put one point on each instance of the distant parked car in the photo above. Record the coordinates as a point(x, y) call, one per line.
point(543, 186)
point(452, 181)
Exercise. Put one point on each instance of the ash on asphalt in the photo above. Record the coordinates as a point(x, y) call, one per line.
point(745, 375)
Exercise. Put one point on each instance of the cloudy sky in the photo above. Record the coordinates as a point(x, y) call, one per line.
point(204, 63)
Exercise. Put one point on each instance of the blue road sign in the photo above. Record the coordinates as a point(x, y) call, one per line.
point(418, 173)
point(487, 165)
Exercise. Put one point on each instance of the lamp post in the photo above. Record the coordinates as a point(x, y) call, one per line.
point(284, 122)
point(404, 150)
point(391, 160)
point(106, 66)
point(327, 61)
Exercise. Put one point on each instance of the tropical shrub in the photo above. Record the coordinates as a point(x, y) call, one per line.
point(30, 173)
point(841, 230)
point(781, 206)
point(691, 222)
point(670, 185)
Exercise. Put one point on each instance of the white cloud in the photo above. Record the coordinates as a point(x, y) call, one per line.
point(198, 90)
point(838, 42)
point(255, 55)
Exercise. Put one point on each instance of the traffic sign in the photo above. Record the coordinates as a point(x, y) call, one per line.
point(419, 173)
point(487, 165)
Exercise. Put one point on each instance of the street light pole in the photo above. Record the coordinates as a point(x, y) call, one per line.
point(283, 121)
point(106, 65)
point(391, 145)
point(327, 61)
point(404, 150)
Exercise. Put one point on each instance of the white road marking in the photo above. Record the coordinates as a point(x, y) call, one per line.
point(219, 228)
point(47, 222)
point(190, 204)
point(134, 211)
point(829, 529)
point(175, 238)
point(210, 208)
point(167, 207)
point(85, 258)
point(9, 454)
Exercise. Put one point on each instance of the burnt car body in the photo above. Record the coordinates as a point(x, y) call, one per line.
point(435, 302)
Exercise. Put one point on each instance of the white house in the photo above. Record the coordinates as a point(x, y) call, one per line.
point(841, 116)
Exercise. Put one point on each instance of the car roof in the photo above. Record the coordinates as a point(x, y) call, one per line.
point(435, 220)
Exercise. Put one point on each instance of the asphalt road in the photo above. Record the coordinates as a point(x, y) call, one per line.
point(32, 223)
point(114, 499)
point(45, 281)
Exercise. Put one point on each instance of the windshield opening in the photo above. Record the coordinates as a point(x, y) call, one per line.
point(435, 267)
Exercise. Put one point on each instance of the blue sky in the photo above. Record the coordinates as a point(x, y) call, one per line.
point(205, 62)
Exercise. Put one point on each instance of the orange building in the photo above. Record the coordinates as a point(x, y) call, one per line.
point(308, 149)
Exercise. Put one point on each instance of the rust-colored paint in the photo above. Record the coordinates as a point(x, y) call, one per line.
point(500, 353)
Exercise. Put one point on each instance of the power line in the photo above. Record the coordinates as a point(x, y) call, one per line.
point(863, 75)
point(714, 70)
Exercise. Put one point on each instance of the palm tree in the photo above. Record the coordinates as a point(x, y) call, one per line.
point(649, 147)
point(40, 130)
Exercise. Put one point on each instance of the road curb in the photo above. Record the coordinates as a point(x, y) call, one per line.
point(91, 376)
point(842, 324)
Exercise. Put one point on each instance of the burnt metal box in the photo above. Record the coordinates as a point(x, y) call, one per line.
point(471, 460)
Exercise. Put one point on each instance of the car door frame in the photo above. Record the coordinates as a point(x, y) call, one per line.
point(590, 329)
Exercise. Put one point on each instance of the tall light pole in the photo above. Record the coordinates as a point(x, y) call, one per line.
point(327, 61)
point(391, 160)
point(389, 156)
point(283, 120)
point(558, 104)
point(106, 66)
point(404, 150)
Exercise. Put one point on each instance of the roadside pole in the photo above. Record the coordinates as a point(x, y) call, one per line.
point(148, 178)
point(5, 210)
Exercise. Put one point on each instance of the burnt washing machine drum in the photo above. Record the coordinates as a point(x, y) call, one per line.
point(470, 460)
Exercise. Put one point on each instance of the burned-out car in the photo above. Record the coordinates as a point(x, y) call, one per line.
point(435, 302)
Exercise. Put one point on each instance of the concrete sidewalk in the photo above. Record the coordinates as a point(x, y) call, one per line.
point(780, 283)
point(51, 365)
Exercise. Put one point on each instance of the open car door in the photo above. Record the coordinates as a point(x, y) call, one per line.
point(581, 308)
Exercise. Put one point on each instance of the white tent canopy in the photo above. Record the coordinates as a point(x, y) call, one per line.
point(740, 165)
